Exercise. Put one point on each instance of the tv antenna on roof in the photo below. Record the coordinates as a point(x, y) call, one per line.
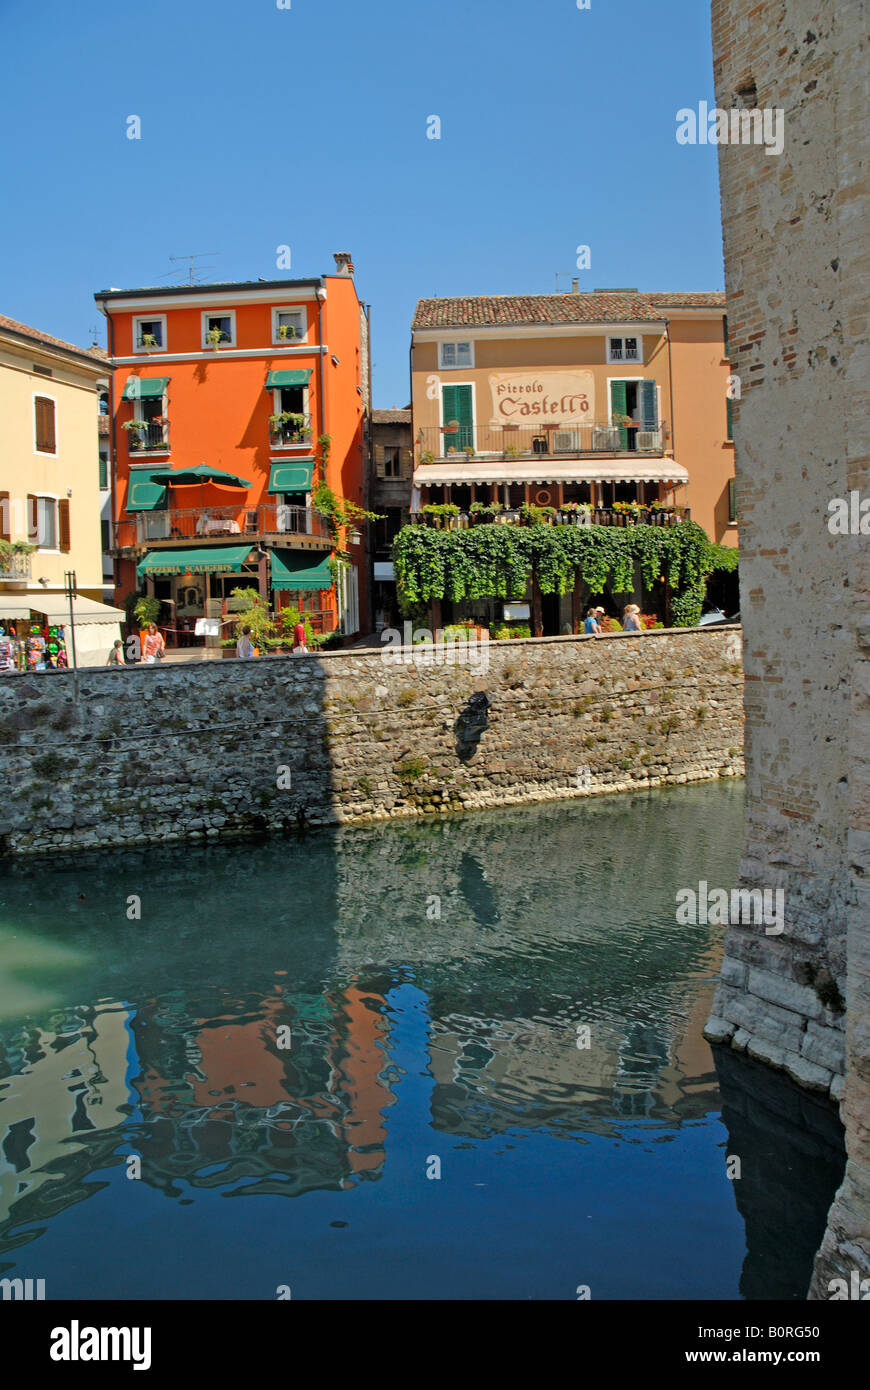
point(192, 268)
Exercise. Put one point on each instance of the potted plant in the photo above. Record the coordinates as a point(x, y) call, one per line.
point(215, 337)
point(135, 432)
point(286, 332)
point(511, 451)
point(469, 451)
point(149, 342)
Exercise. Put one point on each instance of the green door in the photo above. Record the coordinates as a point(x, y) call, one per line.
point(456, 401)
point(618, 406)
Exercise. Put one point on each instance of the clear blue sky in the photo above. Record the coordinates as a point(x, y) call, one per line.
point(307, 127)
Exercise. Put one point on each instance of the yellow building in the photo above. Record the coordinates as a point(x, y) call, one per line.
point(50, 486)
point(601, 399)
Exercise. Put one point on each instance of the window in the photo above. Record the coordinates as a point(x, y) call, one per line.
point(289, 326)
point(105, 536)
point(727, 350)
point(219, 330)
point(42, 371)
point(5, 518)
point(104, 472)
point(104, 403)
point(623, 349)
point(149, 334)
point(46, 434)
point(42, 525)
point(732, 502)
point(392, 461)
point(455, 355)
point(729, 418)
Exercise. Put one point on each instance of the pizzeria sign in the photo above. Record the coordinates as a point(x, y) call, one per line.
point(540, 398)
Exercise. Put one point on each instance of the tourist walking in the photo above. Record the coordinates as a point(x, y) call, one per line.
point(244, 646)
point(592, 624)
point(116, 655)
point(632, 619)
point(299, 648)
point(155, 645)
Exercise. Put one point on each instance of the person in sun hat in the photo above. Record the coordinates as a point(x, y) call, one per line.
point(632, 621)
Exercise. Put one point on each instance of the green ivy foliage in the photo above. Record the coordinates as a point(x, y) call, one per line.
point(499, 561)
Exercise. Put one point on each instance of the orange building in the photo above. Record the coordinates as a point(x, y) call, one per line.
point(230, 403)
point(572, 399)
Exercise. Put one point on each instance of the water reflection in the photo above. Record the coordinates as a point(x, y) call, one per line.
point(306, 1019)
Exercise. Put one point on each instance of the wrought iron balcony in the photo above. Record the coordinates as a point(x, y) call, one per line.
point(625, 515)
point(289, 433)
point(515, 442)
point(167, 527)
point(15, 567)
point(149, 436)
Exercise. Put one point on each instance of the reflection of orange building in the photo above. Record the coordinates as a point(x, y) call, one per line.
point(236, 1064)
point(248, 380)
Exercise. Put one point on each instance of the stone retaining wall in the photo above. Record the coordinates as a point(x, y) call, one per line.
point(155, 753)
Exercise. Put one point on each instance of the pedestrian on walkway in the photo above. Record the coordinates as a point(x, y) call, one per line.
point(155, 645)
point(632, 619)
point(116, 655)
point(244, 646)
point(299, 648)
point(592, 624)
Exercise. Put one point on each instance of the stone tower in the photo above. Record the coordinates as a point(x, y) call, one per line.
point(797, 267)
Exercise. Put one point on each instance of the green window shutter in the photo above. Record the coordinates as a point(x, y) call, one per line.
point(618, 406)
point(104, 471)
point(457, 406)
point(649, 405)
point(725, 334)
point(732, 501)
point(729, 415)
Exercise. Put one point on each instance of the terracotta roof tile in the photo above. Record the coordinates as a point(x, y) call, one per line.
point(98, 354)
point(391, 417)
point(512, 310)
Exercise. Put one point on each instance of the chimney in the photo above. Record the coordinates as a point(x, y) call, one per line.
point(343, 263)
point(575, 286)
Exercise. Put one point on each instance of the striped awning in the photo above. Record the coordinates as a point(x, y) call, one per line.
point(634, 468)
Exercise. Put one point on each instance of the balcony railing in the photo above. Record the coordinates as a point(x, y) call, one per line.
point(15, 567)
point(507, 442)
point(220, 523)
point(568, 516)
point(287, 434)
point(148, 437)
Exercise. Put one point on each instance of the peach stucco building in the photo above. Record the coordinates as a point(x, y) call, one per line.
point(601, 397)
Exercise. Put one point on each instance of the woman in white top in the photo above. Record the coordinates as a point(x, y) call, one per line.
point(244, 646)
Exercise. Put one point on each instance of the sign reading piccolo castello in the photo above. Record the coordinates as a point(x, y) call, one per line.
point(557, 398)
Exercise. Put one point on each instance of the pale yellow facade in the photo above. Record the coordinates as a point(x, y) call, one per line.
point(65, 522)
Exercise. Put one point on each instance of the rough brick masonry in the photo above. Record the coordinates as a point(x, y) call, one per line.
point(189, 751)
point(797, 269)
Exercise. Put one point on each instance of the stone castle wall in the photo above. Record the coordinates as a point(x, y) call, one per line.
point(153, 753)
point(797, 276)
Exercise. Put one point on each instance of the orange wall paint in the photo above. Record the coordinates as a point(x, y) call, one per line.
point(217, 405)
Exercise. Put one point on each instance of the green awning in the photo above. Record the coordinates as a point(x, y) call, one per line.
point(140, 388)
point(297, 376)
point(293, 476)
point(299, 569)
point(144, 495)
point(197, 559)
